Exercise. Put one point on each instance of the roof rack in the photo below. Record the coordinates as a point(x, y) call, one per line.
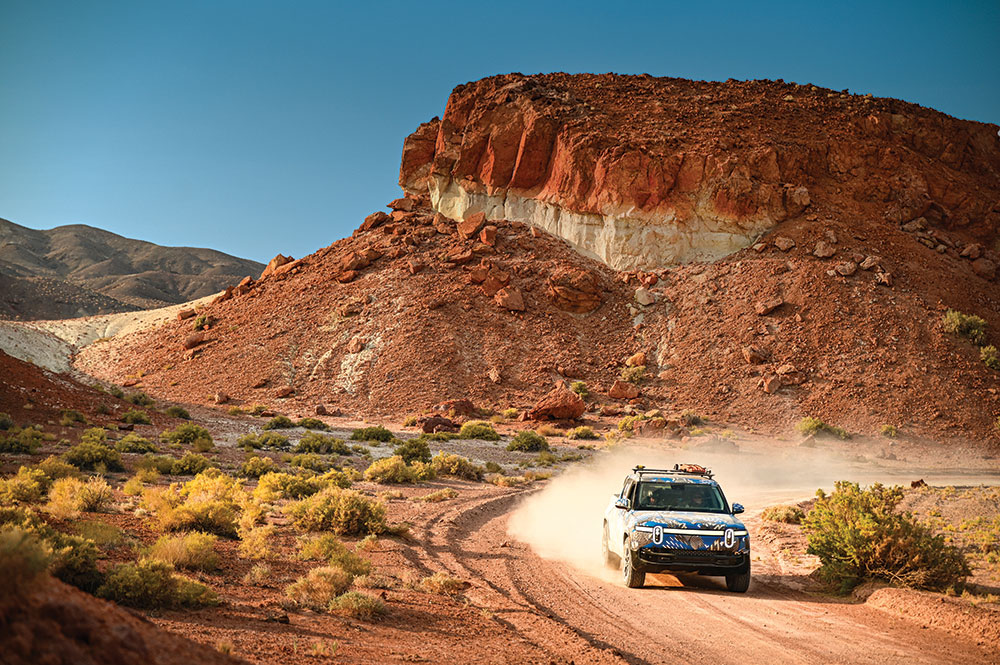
point(679, 469)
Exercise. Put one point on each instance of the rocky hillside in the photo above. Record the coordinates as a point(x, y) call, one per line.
point(645, 172)
point(834, 311)
point(79, 270)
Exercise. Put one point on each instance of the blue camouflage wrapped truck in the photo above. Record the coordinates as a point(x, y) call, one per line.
point(675, 520)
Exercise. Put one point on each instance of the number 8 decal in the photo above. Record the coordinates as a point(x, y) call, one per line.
point(729, 538)
point(658, 534)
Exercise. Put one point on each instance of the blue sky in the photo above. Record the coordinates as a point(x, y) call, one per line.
point(265, 127)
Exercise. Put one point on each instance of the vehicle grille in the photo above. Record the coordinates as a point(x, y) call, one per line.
point(663, 555)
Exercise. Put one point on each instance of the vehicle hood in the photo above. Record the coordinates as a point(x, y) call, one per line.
point(675, 519)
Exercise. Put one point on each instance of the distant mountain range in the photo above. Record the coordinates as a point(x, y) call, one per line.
point(79, 270)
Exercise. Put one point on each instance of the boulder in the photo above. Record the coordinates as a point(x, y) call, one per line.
point(373, 221)
point(488, 235)
point(284, 391)
point(623, 390)
point(404, 204)
point(194, 339)
point(984, 268)
point(356, 345)
point(636, 360)
point(972, 251)
point(185, 314)
point(274, 264)
point(560, 403)
point(575, 290)
point(471, 225)
point(510, 299)
point(771, 384)
point(320, 410)
point(457, 408)
point(869, 262)
point(414, 266)
point(438, 424)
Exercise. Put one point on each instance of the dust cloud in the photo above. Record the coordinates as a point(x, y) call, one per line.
point(564, 521)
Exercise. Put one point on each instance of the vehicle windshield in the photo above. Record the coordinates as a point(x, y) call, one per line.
point(679, 496)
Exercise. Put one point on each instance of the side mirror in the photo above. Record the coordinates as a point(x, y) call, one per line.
point(622, 504)
point(738, 508)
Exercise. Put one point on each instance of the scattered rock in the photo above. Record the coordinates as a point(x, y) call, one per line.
point(984, 268)
point(536, 232)
point(488, 236)
point(373, 221)
point(883, 278)
point(847, 268)
point(869, 262)
point(510, 299)
point(457, 408)
point(560, 403)
point(185, 314)
point(194, 339)
point(320, 410)
point(283, 392)
point(220, 398)
point(765, 307)
point(275, 263)
point(493, 375)
point(356, 345)
point(471, 225)
point(772, 384)
point(575, 290)
point(414, 266)
point(623, 390)
point(636, 360)
point(783, 243)
point(753, 355)
point(972, 251)
point(918, 224)
point(824, 250)
point(644, 296)
point(404, 204)
point(438, 424)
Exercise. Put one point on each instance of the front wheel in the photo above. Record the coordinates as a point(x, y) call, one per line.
point(738, 582)
point(631, 575)
point(610, 558)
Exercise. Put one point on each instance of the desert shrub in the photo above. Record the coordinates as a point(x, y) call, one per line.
point(273, 486)
point(140, 399)
point(234, 411)
point(254, 542)
point(134, 485)
point(810, 425)
point(23, 559)
point(150, 584)
point(259, 574)
point(6, 422)
point(410, 421)
point(163, 464)
point(313, 423)
point(271, 440)
point(202, 321)
point(441, 583)
point(102, 534)
point(190, 465)
point(310, 461)
point(177, 412)
point(194, 551)
point(314, 442)
point(391, 470)
point(413, 450)
point(136, 417)
point(510, 414)
point(438, 496)
point(858, 535)
point(528, 441)
point(455, 465)
point(72, 559)
point(255, 467)
point(186, 433)
point(70, 496)
point(102, 409)
point(133, 443)
point(969, 326)
point(990, 356)
point(549, 430)
point(493, 467)
point(377, 433)
point(209, 502)
point(279, 422)
point(319, 587)
point(580, 388)
point(358, 605)
point(70, 417)
point(583, 433)
point(21, 441)
point(329, 548)
point(56, 468)
point(545, 458)
point(478, 429)
point(27, 486)
point(92, 455)
point(786, 514)
point(116, 391)
point(633, 374)
point(344, 512)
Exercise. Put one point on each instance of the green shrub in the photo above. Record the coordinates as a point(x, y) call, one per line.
point(510, 414)
point(377, 433)
point(190, 465)
point(493, 467)
point(194, 551)
point(21, 441)
point(140, 399)
point(438, 496)
point(319, 587)
point(72, 559)
point(990, 356)
point(443, 584)
point(177, 412)
point(56, 468)
point(163, 464)
point(858, 535)
point(209, 502)
point(279, 422)
point(358, 605)
point(255, 467)
point(528, 441)
point(633, 374)
point(329, 548)
point(810, 425)
point(310, 461)
point(115, 391)
point(186, 433)
point(6, 422)
point(69, 496)
point(786, 514)
point(445, 464)
point(391, 470)
point(133, 443)
point(413, 450)
point(583, 433)
point(344, 512)
point(271, 440)
point(153, 585)
point(890, 431)
point(478, 429)
point(313, 442)
point(28, 486)
point(254, 542)
point(136, 417)
point(580, 388)
point(23, 559)
point(70, 417)
point(969, 326)
point(313, 423)
point(91, 455)
point(203, 320)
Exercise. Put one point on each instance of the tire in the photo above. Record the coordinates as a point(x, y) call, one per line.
point(631, 575)
point(610, 558)
point(739, 582)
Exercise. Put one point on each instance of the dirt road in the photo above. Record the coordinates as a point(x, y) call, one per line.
point(574, 616)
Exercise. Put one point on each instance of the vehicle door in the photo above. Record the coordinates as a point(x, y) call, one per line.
point(616, 525)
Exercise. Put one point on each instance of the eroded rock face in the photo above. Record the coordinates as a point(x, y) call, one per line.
point(644, 172)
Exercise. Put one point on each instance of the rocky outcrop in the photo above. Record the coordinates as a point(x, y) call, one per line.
point(643, 172)
point(560, 403)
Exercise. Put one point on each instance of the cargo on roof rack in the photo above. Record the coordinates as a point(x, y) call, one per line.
point(684, 469)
